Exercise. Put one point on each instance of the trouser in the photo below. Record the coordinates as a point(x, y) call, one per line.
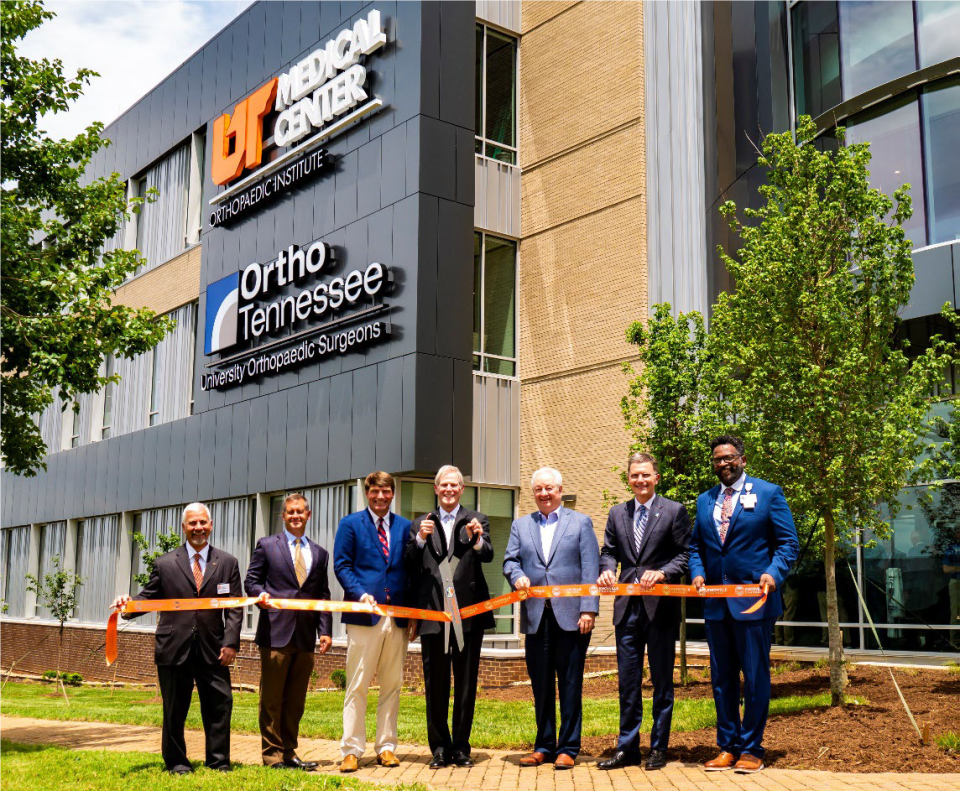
point(437, 664)
point(380, 650)
point(216, 705)
point(555, 657)
point(635, 632)
point(284, 678)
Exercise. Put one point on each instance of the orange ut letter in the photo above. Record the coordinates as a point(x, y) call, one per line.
point(245, 127)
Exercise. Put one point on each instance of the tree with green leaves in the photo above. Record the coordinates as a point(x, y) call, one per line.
point(166, 542)
point(828, 402)
point(57, 593)
point(57, 322)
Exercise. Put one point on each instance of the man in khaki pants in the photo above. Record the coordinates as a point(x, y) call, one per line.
point(368, 561)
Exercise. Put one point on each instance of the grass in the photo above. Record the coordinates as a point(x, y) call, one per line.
point(497, 724)
point(953, 667)
point(47, 768)
point(949, 742)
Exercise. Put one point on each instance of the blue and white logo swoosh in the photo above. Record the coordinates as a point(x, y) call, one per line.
point(223, 297)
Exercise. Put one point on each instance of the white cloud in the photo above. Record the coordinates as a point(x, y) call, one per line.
point(133, 44)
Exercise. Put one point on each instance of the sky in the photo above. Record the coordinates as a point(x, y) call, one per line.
point(133, 44)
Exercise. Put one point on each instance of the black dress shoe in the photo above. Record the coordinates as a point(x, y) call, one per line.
point(657, 759)
point(619, 760)
point(282, 765)
point(296, 763)
point(181, 770)
point(460, 758)
point(439, 760)
point(221, 768)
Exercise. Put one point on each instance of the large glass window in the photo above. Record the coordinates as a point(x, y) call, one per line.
point(107, 420)
point(816, 57)
point(496, 95)
point(940, 105)
point(494, 305)
point(162, 224)
point(150, 524)
point(52, 541)
point(14, 555)
point(938, 31)
point(98, 545)
point(876, 43)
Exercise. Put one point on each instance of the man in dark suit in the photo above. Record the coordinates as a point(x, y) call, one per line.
point(463, 541)
point(287, 566)
point(649, 537)
point(195, 646)
point(744, 533)
point(554, 546)
point(368, 560)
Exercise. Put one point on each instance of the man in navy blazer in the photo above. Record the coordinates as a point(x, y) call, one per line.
point(287, 566)
point(744, 533)
point(554, 546)
point(649, 537)
point(368, 559)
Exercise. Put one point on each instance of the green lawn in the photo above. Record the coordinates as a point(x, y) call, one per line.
point(497, 724)
point(44, 768)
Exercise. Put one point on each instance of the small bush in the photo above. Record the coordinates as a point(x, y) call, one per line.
point(953, 666)
point(73, 679)
point(784, 667)
point(339, 679)
point(949, 742)
point(821, 664)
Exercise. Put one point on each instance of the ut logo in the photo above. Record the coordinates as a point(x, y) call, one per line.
point(245, 129)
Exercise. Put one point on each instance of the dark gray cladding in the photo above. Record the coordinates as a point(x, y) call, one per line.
point(401, 193)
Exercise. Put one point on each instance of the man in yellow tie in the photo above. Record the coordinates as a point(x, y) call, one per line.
point(287, 566)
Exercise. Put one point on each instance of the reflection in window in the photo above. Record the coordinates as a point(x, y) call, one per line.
point(941, 140)
point(107, 399)
point(496, 95)
point(917, 333)
point(893, 131)
point(937, 26)
point(494, 305)
point(876, 45)
point(816, 54)
point(52, 542)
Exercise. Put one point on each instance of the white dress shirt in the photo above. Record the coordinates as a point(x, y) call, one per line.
point(548, 527)
point(305, 552)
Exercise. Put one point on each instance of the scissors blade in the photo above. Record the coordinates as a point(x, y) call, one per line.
point(450, 603)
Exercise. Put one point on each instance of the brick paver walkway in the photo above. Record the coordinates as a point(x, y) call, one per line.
point(496, 770)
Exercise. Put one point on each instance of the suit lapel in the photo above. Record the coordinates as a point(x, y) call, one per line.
point(533, 527)
point(183, 562)
point(710, 527)
point(210, 572)
point(562, 524)
point(438, 541)
point(738, 509)
point(653, 516)
point(396, 536)
point(375, 535)
point(626, 526)
point(284, 549)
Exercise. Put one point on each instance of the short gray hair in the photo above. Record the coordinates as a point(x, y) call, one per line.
point(444, 470)
point(193, 508)
point(550, 471)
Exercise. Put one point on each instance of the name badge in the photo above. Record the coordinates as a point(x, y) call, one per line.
point(223, 587)
point(748, 501)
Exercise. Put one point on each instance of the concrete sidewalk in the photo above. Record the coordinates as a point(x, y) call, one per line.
point(495, 769)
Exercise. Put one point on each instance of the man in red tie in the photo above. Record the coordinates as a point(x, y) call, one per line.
point(368, 561)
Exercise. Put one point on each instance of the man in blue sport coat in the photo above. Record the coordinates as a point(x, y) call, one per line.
point(554, 546)
point(368, 559)
point(744, 533)
point(287, 566)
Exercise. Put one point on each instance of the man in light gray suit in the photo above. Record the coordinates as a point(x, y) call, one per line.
point(554, 546)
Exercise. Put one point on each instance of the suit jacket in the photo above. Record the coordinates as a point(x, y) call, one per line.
point(762, 540)
point(360, 566)
point(423, 569)
point(172, 578)
point(664, 547)
point(574, 560)
point(271, 570)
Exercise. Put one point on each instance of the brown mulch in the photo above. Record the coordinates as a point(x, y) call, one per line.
point(875, 736)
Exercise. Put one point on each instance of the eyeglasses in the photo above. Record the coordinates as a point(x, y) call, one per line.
point(718, 460)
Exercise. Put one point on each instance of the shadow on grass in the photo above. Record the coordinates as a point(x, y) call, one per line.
point(13, 748)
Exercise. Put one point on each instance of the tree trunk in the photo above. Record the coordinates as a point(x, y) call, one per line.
point(683, 642)
point(63, 687)
point(838, 671)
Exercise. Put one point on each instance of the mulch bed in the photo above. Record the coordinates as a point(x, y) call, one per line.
point(873, 737)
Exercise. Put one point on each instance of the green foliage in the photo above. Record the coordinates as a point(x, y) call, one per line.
point(948, 742)
point(784, 667)
point(57, 592)
point(953, 667)
point(339, 678)
point(56, 319)
point(166, 542)
point(73, 679)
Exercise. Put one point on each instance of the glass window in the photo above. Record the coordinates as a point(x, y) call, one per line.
point(107, 400)
point(937, 26)
point(98, 546)
point(498, 505)
point(893, 131)
point(941, 151)
point(416, 498)
point(876, 44)
point(155, 388)
point(162, 224)
point(75, 427)
point(52, 541)
point(816, 57)
point(496, 95)
point(14, 554)
point(494, 305)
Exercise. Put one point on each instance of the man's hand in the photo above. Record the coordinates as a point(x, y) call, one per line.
point(607, 579)
point(227, 655)
point(367, 598)
point(426, 529)
point(474, 528)
point(413, 626)
point(119, 602)
point(585, 624)
point(325, 642)
point(265, 603)
point(698, 582)
point(522, 584)
point(650, 578)
point(768, 581)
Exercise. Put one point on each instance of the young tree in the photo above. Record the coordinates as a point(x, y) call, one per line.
point(166, 542)
point(830, 405)
point(57, 592)
point(56, 319)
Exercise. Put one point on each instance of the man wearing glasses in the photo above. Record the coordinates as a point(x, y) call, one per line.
point(744, 534)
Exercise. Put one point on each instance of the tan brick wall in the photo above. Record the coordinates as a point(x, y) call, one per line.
point(169, 286)
point(536, 13)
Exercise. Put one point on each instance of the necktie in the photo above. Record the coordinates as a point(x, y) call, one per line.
point(382, 532)
point(638, 528)
point(447, 532)
point(725, 512)
point(197, 571)
point(298, 565)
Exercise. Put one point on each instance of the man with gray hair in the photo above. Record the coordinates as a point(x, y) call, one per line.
point(554, 546)
point(195, 647)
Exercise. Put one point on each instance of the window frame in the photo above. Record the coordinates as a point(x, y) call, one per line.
point(480, 134)
point(479, 355)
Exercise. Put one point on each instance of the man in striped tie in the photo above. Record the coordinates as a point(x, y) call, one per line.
point(649, 537)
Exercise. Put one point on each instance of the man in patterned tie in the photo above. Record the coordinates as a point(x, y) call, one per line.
point(649, 537)
point(368, 561)
point(287, 565)
point(744, 534)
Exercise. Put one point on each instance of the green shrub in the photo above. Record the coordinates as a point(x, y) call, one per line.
point(784, 667)
point(953, 666)
point(949, 742)
point(339, 679)
point(73, 679)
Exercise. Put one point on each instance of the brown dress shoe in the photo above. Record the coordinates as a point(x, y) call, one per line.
point(534, 759)
point(387, 758)
point(748, 764)
point(349, 763)
point(563, 761)
point(723, 761)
